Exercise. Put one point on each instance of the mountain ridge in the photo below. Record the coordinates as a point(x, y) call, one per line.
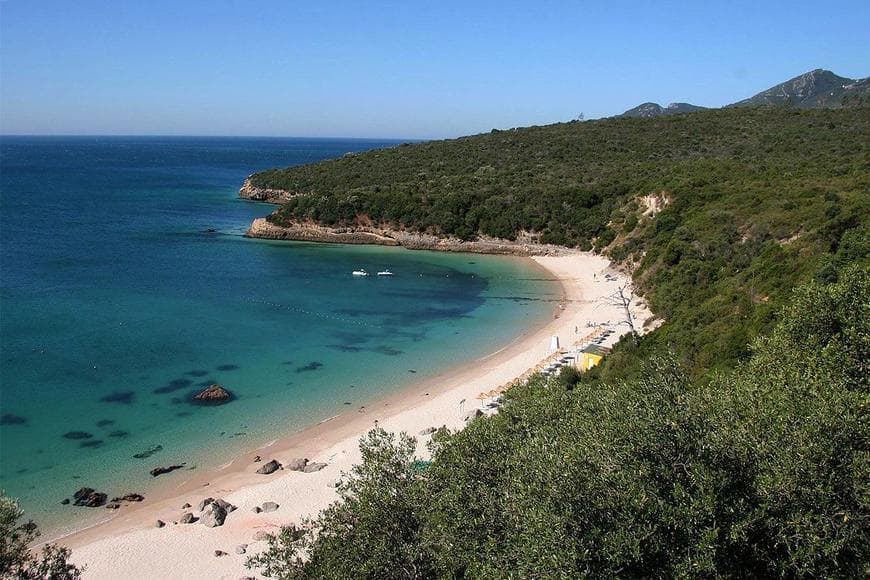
point(816, 89)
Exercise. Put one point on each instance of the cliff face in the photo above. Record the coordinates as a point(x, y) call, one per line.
point(262, 228)
point(254, 193)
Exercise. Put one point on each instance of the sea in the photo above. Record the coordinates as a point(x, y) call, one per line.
point(126, 285)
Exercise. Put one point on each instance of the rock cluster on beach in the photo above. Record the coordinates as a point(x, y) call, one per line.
point(88, 497)
point(269, 468)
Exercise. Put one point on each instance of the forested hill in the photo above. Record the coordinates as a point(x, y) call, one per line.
point(719, 213)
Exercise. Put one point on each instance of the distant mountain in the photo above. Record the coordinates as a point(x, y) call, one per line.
point(817, 89)
point(656, 110)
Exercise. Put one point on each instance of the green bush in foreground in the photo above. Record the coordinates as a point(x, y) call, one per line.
point(760, 472)
point(16, 559)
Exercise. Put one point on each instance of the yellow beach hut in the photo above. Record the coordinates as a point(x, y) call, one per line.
point(592, 355)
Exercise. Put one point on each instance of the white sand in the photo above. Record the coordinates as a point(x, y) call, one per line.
point(130, 546)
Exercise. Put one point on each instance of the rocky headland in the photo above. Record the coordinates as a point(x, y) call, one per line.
point(312, 232)
point(254, 193)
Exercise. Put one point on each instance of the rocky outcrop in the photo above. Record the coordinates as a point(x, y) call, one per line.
point(254, 193)
point(310, 232)
point(213, 394)
point(270, 467)
point(88, 497)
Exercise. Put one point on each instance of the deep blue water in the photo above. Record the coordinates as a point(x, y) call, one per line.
point(116, 305)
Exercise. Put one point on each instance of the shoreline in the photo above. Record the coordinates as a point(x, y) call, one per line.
point(130, 546)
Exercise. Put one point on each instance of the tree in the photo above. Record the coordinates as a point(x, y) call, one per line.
point(623, 297)
point(16, 558)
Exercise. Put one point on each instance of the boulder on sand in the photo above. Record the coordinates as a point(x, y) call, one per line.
point(213, 394)
point(201, 505)
point(270, 467)
point(225, 504)
point(129, 497)
point(312, 467)
point(160, 524)
point(214, 515)
point(269, 506)
point(187, 518)
point(297, 464)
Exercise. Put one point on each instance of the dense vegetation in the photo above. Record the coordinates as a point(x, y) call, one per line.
point(753, 202)
point(760, 472)
point(16, 558)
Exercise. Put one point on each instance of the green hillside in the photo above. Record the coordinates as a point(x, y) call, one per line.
point(753, 202)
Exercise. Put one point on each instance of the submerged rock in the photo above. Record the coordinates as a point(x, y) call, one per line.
point(270, 467)
point(88, 497)
point(148, 452)
point(161, 470)
point(77, 435)
point(10, 419)
point(213, 393)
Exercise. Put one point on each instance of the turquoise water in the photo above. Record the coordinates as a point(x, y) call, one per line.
point(116, 305)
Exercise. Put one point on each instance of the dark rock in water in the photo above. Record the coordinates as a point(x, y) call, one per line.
point(119, 434)
point(188, 518)
point(203, 503)
point(411, 371)
point(148, 452)
point(214, 515)
point(269, 506)
point(197, 373)
point(88, 497)
point(105, 422)
point(10, 419)
point(77, 435)
point(211, 231)
point(122, 397)
point(159, 524)
point(91, 443)
point(312, 366)
point(161, 470)
point(183, 414)
point(228, 368)
point(131, 497)
point(297, 464)
point(213, 394)
point(312, 467)
point(65, 501)
point(270, 467)
point(387, 350)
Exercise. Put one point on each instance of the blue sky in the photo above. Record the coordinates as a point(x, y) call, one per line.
point(400, 69)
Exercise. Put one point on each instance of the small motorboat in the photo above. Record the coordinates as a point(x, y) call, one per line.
point(360, 272)
point(385, 273)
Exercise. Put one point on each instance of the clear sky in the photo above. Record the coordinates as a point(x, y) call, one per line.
point(402, 69)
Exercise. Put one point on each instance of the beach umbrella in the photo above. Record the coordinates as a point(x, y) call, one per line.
point(482, 396)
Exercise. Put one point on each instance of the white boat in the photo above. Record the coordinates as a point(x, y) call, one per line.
point(360, 272)
point(385, 273)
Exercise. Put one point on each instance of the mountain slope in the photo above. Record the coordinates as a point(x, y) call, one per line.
point(646, 110)
point(813, 90)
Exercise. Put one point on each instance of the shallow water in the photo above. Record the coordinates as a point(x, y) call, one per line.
point(116, 305)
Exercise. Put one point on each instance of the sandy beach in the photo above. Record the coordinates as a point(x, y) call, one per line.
point(130, 545)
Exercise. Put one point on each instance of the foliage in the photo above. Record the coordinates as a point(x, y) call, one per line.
point(760, 472)
point(754, 202)
point(16, 559)
point(371, 532)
